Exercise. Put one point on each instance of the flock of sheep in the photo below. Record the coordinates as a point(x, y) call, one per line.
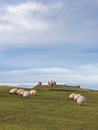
point(22, 92)
point(78, 98)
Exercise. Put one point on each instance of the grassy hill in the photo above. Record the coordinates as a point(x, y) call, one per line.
point(48, 110)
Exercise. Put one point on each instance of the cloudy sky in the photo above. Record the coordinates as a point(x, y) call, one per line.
point(42, 40)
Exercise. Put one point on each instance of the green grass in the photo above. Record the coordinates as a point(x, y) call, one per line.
point(49, 110)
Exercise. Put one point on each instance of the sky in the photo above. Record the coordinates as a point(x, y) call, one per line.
point(44, 40)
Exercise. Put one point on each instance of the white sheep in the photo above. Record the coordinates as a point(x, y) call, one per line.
point(19, 90)
point(71, 96)
point(76, 96)
point(33, 92)
point(26, 94)
point(21, 93)
point(13, 91)
point(81, 100)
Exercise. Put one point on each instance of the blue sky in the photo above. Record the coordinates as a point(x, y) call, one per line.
point(42, 40)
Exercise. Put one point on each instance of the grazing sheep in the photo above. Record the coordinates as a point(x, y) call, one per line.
point(71, 96)
point(19, 90)
point(76, 96)
point(26, 94)
point(33, 92)
point(21, 93)
point(13, 91)
point(81, 100)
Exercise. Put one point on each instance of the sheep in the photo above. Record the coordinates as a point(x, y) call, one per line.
point(13, 91)
point(18, 91)
point(26, 94)
point(21, 93)
point(33, 92)
point(76, 96)
point(81, 100)
point(71, 96)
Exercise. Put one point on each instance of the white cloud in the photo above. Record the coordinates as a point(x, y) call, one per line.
point(54, 70)
point(27, 24)
point(38, 24)
point(27, 16)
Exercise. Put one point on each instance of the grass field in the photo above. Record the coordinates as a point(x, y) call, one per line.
point(49, 110)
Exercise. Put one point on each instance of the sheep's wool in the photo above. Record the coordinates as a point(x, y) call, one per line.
point(81, 100)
